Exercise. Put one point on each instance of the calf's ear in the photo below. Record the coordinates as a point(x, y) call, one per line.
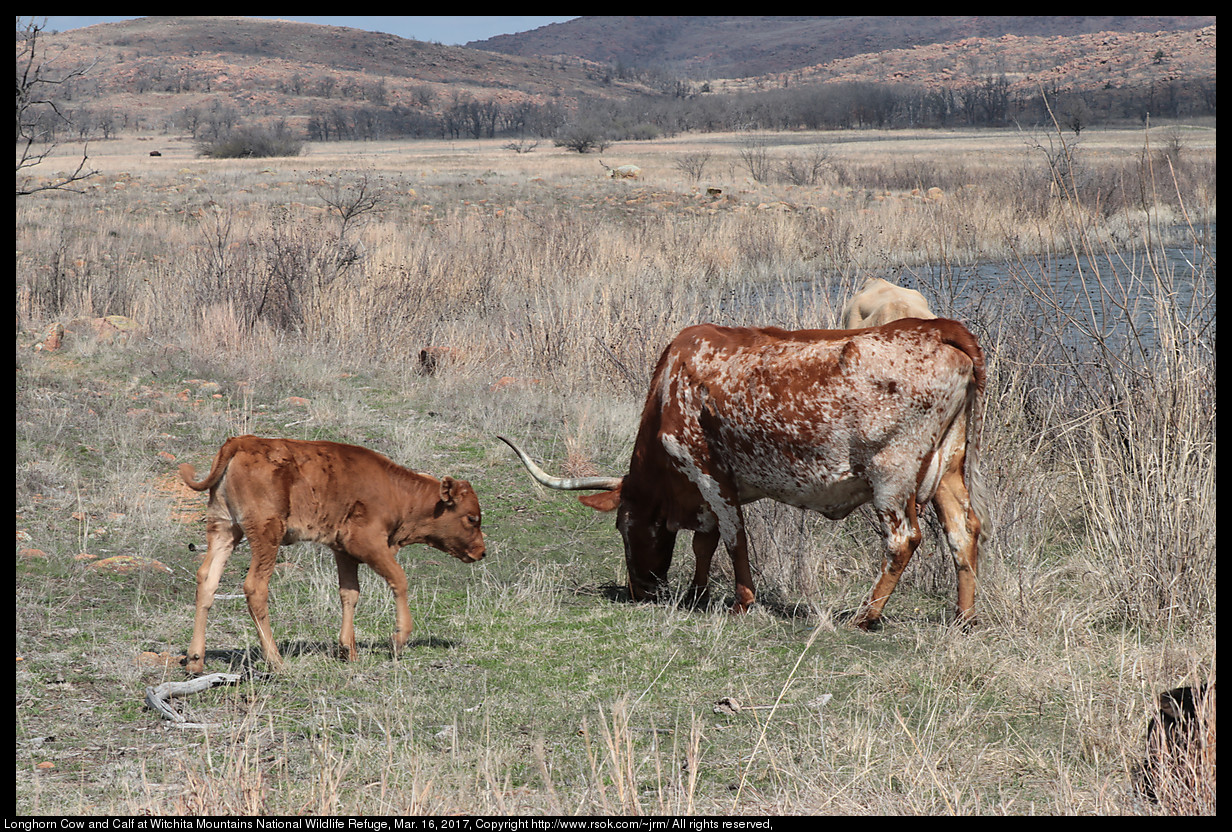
point(449, 491)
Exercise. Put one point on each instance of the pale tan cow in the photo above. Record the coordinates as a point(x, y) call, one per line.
point(880, 301)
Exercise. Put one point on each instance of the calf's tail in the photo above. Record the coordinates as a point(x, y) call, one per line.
point(225, 453)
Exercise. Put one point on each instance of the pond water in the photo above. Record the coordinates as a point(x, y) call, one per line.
point(1113, 297)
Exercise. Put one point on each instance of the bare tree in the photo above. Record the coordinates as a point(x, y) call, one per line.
point(583, 137)
point(806, 168)
point(38, 113)
point(350, 197)
point(755, 157)
point(693, 165)
point(520, 146)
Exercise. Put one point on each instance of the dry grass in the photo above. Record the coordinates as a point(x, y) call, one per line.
point(531, 691)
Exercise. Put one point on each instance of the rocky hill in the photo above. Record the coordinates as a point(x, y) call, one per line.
point(1102, 61)
point(156, 66)
point(742, 47)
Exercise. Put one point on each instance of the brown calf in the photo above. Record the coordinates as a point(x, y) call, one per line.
point(353, 500)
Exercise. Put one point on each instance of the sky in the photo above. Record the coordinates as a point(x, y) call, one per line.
point(445, 29)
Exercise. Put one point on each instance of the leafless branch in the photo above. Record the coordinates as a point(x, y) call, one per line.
point(37, 79)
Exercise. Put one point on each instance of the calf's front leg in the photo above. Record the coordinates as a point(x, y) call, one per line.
point(348, 590)
point(384, 562)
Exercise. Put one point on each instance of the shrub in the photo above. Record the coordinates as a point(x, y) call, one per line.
point(251, 142)
point(583, 138)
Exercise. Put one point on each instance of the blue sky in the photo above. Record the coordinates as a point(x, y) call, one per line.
point(446, 29)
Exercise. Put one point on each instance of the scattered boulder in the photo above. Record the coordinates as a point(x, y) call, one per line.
point(513, 382)
point(110, 329)
point(128, 563)
point(53, 339)
point(114, 329)
point(164, 659)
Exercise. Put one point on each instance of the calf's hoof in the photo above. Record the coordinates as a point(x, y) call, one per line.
point(869, 625)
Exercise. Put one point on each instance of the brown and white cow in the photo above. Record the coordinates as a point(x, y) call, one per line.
point(355, 501)
point(879, 301)
point(821, 419)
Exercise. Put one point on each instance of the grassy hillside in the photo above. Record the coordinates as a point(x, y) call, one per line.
point(205, 75)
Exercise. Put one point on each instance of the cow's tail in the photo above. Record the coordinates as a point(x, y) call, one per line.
point(563, 483)
point(961, 338)
point(221, 461)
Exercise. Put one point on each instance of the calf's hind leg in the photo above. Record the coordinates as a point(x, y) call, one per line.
point(221, 538)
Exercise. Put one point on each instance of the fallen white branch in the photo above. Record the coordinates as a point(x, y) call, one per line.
point(732, 705)
point(159, 698)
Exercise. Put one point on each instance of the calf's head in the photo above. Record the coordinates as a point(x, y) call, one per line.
point(455, 526)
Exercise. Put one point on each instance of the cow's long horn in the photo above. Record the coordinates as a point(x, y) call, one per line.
point(563, 483)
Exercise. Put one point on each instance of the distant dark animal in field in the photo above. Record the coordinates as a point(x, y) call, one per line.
point(1180, 747)
point(155, 153)
point(879, 301)
point(355, 501)
point(434, 359)
point(821, 419)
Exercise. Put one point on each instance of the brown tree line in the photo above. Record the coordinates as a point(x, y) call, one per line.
point(989, 103)
point(339, 109)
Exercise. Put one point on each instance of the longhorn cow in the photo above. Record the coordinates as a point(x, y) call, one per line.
point(821, 419)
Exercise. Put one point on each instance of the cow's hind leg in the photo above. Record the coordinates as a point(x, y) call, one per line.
point(962, 531)
point(348, 590)
point(221, 536)
point(901, 532)
point(264, 539)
